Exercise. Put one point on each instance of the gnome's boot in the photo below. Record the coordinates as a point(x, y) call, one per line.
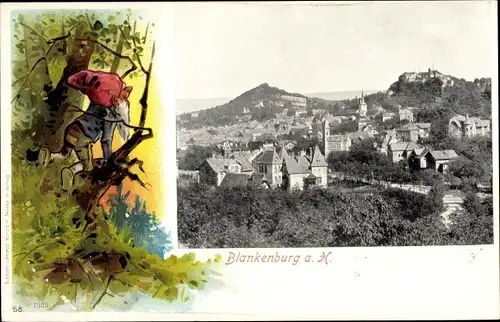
point(68, 176)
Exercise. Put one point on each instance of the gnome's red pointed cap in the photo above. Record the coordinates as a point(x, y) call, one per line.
point(100, 87)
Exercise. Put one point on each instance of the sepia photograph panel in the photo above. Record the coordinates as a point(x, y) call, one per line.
point(367, 124)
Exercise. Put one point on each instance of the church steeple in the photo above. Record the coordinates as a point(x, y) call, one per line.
point(362, 105)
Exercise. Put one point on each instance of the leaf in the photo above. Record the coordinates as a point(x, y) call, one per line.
point(194, 283)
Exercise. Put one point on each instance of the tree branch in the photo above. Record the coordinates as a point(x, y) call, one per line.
point(103, 293)
point(146, 33)
point(144, 99)
point(125, 38)
point(54, 40)
point(27, 77)
point(51, 42)
point(135, 50)
point(88, 20)
point(134, 66)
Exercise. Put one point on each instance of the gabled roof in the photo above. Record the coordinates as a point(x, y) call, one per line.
point(318, 160)
point(444, 154)
point(220, 164)
point(403, 146)
point(232, 180)
point(303, 163)
point(245, 163)
point(421, 152)
point(292, 167)
point(269, 157)
point(407, 128)
point(311, 176)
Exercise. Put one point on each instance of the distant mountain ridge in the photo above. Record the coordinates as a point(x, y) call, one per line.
point(198, 104)
point(431, 90)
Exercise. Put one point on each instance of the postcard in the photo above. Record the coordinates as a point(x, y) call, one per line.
point(249, 161)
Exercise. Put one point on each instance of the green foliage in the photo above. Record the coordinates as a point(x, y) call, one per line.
point(49, 243)
point(344, 127)
point(41, 51)
point(137, 226)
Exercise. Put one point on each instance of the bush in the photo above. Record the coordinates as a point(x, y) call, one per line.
point(136, 225)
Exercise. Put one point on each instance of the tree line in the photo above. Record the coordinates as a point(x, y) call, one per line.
point(244, 217)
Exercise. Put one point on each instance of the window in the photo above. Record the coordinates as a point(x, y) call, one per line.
point(318, 180)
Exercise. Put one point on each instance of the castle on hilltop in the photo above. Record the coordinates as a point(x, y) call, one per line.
point(422, 77)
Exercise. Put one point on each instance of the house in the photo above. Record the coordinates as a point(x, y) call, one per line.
point(464, 126)
point(283, 170)
point(213, 170)
point(388, 116)
point(293, 173)
point(304, 171)
point(269, 163)
point(406, 114)
point(238, 180)
point(389, 137)
point(416, 159)
point(439, 160)
point(424, 129)
point(319, 169)
point(400, 151)
point(242, 157)
point(407, 133)
point(338, 142)
point(362, 123)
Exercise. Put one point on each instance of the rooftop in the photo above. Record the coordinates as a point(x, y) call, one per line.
point(444, 154)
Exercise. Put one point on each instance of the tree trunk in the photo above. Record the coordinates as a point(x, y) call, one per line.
point(116, 61)
point(62, 96)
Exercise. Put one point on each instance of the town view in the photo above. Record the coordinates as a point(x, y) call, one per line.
point(410, 164)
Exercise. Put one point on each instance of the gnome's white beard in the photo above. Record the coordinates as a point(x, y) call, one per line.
point(123, 112)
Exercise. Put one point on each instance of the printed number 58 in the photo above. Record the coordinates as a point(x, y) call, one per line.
point(17, 308)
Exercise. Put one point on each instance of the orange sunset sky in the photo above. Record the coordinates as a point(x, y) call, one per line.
point(150, 151)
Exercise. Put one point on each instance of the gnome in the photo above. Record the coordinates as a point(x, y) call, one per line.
point(109, 109)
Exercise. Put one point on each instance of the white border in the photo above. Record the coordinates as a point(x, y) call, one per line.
point(410, 282)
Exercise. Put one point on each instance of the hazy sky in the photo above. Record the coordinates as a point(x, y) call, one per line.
point(222, 50)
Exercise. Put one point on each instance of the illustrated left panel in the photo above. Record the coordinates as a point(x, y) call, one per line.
point(87, 193)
